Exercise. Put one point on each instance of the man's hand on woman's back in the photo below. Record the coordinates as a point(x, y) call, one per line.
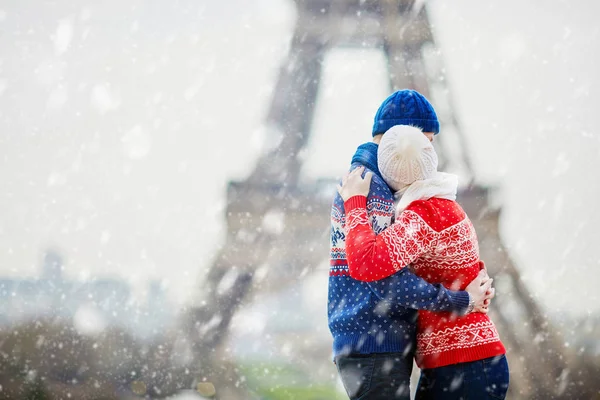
point(481, 291)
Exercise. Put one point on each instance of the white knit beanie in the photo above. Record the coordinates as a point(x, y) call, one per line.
point(405, 155)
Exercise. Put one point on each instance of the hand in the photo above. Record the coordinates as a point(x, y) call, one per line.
point(481, 291)
point(491, 292)
point(353, 184)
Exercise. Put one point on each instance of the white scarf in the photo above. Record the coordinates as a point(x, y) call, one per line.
point(441, 185)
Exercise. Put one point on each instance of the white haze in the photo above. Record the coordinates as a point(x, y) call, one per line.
point(121, 122)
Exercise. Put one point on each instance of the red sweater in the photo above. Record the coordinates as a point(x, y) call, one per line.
point(437, 238)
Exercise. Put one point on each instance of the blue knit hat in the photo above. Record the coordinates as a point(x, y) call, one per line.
point(406, 107)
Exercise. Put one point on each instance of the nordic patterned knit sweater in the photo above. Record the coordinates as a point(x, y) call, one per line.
point(378, 317)
point(437, 238)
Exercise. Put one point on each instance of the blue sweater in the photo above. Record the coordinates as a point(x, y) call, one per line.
point(380, 316)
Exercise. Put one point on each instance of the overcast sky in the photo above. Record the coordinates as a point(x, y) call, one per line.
point(120, 124)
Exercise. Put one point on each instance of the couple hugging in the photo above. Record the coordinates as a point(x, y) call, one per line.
point(405, 276)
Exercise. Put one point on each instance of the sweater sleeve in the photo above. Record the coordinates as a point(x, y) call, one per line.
point(406, 289)
point(403, 288)
point(372, 257)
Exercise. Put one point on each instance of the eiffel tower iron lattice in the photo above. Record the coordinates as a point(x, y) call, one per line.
point(272, 191)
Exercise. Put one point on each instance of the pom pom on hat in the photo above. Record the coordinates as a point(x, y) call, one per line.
point(405, 155)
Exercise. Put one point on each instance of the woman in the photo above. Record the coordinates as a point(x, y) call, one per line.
point(461, 357)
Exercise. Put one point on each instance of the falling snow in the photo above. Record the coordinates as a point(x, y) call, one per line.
point(140, 251)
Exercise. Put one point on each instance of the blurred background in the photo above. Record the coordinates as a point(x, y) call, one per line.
point(130, 133)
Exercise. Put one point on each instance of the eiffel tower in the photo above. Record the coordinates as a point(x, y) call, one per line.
point(279, 227)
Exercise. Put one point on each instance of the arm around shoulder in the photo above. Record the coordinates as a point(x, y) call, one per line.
point(367, 256)
point(372, 257)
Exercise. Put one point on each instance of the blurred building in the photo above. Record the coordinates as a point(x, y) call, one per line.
point(95, 303)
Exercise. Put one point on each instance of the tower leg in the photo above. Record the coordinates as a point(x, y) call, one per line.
point(247, 245)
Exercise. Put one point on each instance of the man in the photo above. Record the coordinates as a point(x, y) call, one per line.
point(374, 324)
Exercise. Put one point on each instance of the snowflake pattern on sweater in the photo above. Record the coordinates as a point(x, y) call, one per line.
point(377, 317)
point(439, 241)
